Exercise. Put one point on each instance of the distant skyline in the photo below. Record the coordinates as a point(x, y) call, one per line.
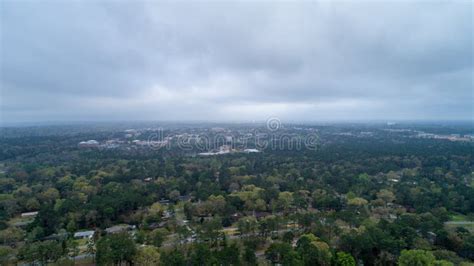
point(236, 61)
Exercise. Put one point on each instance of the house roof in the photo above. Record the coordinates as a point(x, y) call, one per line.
point(119, 228)
point(29, 214)
point(83, 233)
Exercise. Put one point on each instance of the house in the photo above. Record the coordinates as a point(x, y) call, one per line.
point(166, 215)
point(184, 198)
point(58, 236)
point(29, 214)
point(84, 234)
point(164, 201)
point(392, 216)
point(119, 228)
point(156, 225)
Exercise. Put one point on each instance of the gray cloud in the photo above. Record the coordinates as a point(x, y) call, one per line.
point(236, 60)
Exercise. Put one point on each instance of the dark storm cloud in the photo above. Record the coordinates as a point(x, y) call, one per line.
point(236, 60)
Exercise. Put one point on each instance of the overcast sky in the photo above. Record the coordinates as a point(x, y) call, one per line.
point(329, 60)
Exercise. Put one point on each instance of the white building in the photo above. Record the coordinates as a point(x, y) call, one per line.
point(89, 144)
point(251, 150)
point(84, 234)
point(29, 214)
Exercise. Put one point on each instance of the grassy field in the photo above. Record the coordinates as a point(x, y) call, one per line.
point(458, 217)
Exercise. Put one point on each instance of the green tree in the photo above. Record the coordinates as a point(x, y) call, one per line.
point(210, 230)
point(173, 258)
point(229, 255)
point(416, 257)
point(344, 259)
point(386, 196)
point(42, 251)
point(5, 255)
point(115, 248)
point(313, 251)
point(11, 235)
point(282, 253)
point(247, 225)
point(201, 255)
point(249, 257)
point(147, 256)
point(157, 237)
point(285, 200)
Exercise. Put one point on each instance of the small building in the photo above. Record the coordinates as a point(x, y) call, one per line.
point(224, 149)
point(84, 234)
point(392, 216)
point(58, 236)
point(166, 215)
point(207, 153)
point(251, 150)
point(29, 214)
point(119, 228)
point(184, 198)
point(156, 225)
point(164, 201)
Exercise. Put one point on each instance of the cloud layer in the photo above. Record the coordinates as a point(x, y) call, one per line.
point(330, 60)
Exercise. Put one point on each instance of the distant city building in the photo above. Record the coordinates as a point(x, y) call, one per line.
point(251, 150)
point(89, 144)
point(224, 149)
point(131, 131)
point(207, 153)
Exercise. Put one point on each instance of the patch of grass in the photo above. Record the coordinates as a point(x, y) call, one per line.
point(458, 217)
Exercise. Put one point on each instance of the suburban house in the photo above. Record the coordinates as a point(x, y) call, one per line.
point(84, 234)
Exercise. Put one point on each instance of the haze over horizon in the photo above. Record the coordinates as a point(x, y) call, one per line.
point(236, 61)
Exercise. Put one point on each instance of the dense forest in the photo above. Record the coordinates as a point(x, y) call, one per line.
point(362, 194)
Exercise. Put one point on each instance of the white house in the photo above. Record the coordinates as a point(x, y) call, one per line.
point(84, 234)
point(29, 214)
